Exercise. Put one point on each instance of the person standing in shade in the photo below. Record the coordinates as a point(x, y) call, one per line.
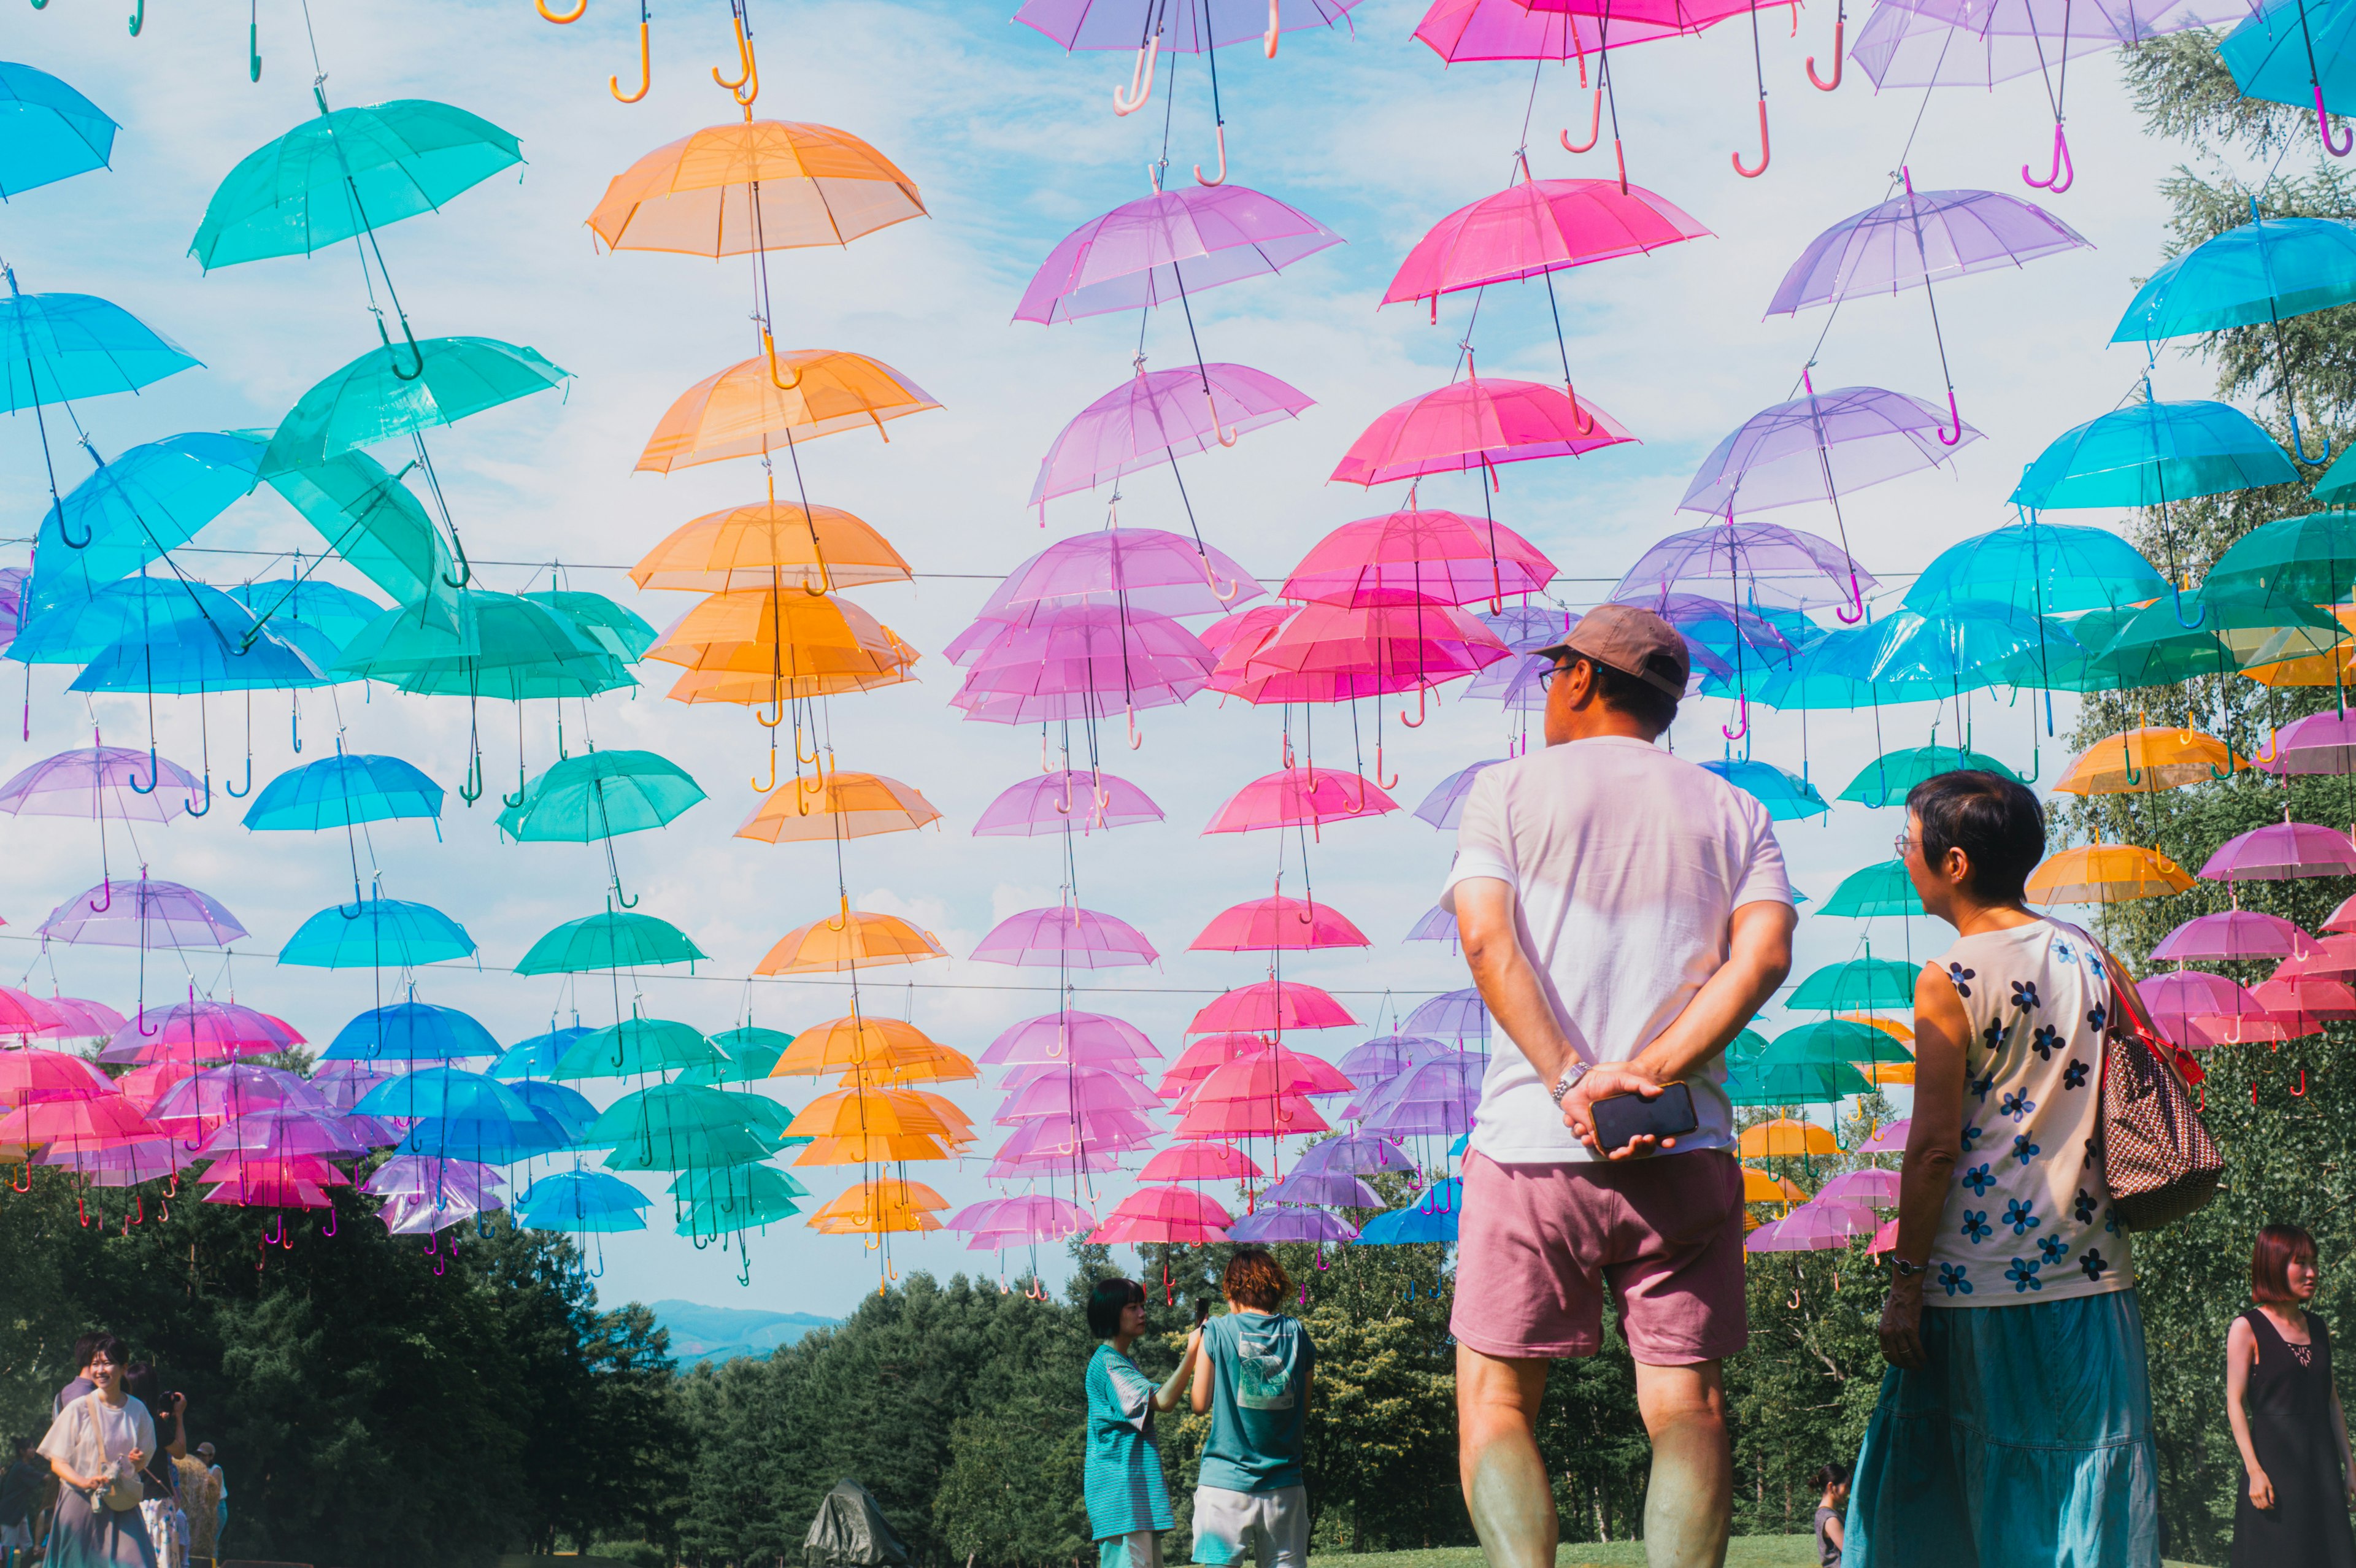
point(20, 1497)
point(1832, 1503)
point(2297, 1474)
point(1253, 1379)
point(99, 1439)
point(80, 1384)
point(1128, 1496)
point(220, 1494)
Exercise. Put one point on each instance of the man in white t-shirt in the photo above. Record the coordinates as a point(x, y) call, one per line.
point(1625, 914)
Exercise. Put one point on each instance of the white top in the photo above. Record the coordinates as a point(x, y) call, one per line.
point(2029, 1217)
point(1627, 864)
point(90, 1433)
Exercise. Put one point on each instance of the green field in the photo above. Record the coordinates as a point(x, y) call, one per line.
point(1742, 1552)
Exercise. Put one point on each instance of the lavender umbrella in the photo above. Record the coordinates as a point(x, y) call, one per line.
point(1033, 1217)
point(1322, 1189)
point(1877, 1188)
point(2234, 934)
point(1745, 564)
point(1051, 803)
point(1386, 1056)
point(1084, 661)
point(1435, 1096)
point(419, 1175)
point(288, 1130)
point(1434, 925)
point(1064, 936)
point(100, 780)
point(1145, 568)
point(1445, 804)
point(1913, 242)
point(1088, 1039)
point(342, 1085)
point(143, 914)
point(1818, 1225)
point(1149, 251)
point(124, 1165)
point(1286, 1224)
point(1453, 1015)
point(1157, 417)
point(1081, 1092)
point(1352, 1154)
point(220, 1094)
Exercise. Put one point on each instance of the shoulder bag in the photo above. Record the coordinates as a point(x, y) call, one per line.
point(118, 1487)
point(2157, 1157)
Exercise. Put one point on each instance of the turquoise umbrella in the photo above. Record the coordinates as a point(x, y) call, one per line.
point(342, 791)
point(568, 1108)
point(1837, 1041)
point(1910, 657)
point(410, 1030)
point(1885, 889)
point(1795, 1083)
point(2309, 559)
point(320, 618)
point(1858, 986)
point(1786, 795)
point(79, 630)
point(636, 1045)
point(48, 132)
point(537, 1057)
point(55, 348)
point(584, 1200)
point(613, 940)
point(2039, 568)
point(370, 518)
point(600, 795)
point(380, 395)
point(376, 933)
point(2293, 52)
point(751, 1051)
point(1886, 780)
point(2237, 628)
point(147, 502)
point(622, 633)
point(503, 646)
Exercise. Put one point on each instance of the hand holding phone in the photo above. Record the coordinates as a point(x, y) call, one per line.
point(1621, 1119)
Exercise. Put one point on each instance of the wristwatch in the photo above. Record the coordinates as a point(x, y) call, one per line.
point(1909, 1270)
point(1570, 1080)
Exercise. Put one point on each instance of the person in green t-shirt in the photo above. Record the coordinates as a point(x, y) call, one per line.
point(1127, 1501)
point(1254, 1378)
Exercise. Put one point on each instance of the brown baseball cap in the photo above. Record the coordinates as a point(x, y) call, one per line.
point(1631, 641)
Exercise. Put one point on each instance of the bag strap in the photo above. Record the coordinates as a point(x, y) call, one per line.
point(2128, 1003)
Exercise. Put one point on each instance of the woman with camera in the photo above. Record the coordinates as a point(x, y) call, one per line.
point(97, 1445)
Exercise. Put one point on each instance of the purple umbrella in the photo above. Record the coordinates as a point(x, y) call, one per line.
point(1322, 1189)
point(124, 1164)
point(1088, 1039)
point(342, 1083)
point(143, 914)
point(1285, 1225)
point(1386, 1056)
point(100, 780)
point(1435, 1096)
point(2319, 743)
point(1145, 568)
point(1823, 1222)
point(2234, 934)
point(1913, 242)
point(11, 601)
point(1158, 416)
point(1453, 1015)
point(421, 1175)
point(1149, 251)
point(1093, 1142)
point(1033, 1217)
point(1085, 661)
point(288, 1130)
point(1445, 804)
point(418, 1215)
point(205, 1101)
point(2281, 851)
point(1064, 936)
point(1352, 1154)
point(1050, 803)
point(1740, 564)
point(1187, 26)
point(1877, 1188)
point(1081, 1092)
point(1435, 924)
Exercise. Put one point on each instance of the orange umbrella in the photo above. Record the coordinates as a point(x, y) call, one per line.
point(848, 941)
point(861, 1112)
point(753, 689)
point(852, 1042)
point(929, 1064)
point(765, 185)
point(895, 1203)
point(837, 804)
point(816, 633)
point(1888, 1072)
point(1896, 1029)
point(1758, 1187)
point(2336, 667)
point(763, 404)
point(771, 545)
point(872, 1148)
point(2150, 759)
point(1786, 1136)
point(2105, 874)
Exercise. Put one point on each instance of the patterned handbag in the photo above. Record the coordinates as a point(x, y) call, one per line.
point(2157, 1158)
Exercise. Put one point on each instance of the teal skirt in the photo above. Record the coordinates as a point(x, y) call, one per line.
point(2027, 1440)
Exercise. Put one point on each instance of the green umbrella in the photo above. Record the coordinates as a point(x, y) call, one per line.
point(1745, 1048)
point(1834, 1040)
point(376, 933)
point(1795, 1084)
point(2310, 559)
point(1887, 778)
point(341, 173)
point(751, 1051)
point(504, 646)
point(622, 633)
point(369, 517)
point(377, 396)
point(1885, 889)
point(1858, 986)
point(2238, 627)
point(734, 1184)
point(635, 1046)
point(600, 795)
point(613, 940)
point(678, 1127)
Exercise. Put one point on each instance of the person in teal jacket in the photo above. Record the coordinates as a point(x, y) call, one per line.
point(1128, 1499)
point(1253, 1377)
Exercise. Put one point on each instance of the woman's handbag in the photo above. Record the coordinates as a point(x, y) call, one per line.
point(119, 1487)
point(2157, 1158)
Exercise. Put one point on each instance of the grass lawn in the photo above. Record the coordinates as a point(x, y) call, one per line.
point(1742, 1552)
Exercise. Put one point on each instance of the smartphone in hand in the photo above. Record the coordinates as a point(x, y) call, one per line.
point(1621, 1119)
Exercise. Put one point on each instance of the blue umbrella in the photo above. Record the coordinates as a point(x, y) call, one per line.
point(54, 347)
point(568, 1108)
point(490, 1140)
point(147, 501)
point(199, 656)
point(447, 1093)
point(320, 618)
point(1430, 1218)
point(1444, 807)
point(341, 791)
point(2292, 52)
point(1786, 795)
point(584, 1200)
point(537, 1057)
point(80, 629)
point(377, 932)
point(2039, 567)
point(48, 131)
point(409, 1031)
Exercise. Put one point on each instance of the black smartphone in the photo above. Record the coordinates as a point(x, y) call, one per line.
point(1622, 1118)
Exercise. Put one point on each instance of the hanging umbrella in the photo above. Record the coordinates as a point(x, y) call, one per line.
point(1169, 1214)
point(1459, 1015)
point(342, 791)
point(1786, 795)
point(874, 1208)
point(770, 400)
point(2152, 453)
point(200, 655)
point(1069, 1036)
point(1885, 889)
point(1270, 924)
point(1831, 1040)
point(1325, 653)
point(1083, 661)
point(1148, 252)
point(379, 932)
point(536, 1057)
point(73, 1018)
point(100, 781)
point(2281, 852)
point(2288, 52)
point(48, 132)
point(411, 1032)
point(1137, 569)
point(1280, 1224)
point(1529, 230)
point(2149, 760)
point(1270, 1007)
point(1444, 807)
point(1474, 426)
point(582, 1201)
point(1432, 1218)
point(1299, 797)
point(616, 939)
point(145, 502)
point(378, 397)
point(599, 796)
point(1064, 936)
point(1504, 30)
point(1407, 558)
point(2234, 934)
point(2105, 874)
point(199, 1032)
point(1795, 1082)
point(1201, 1162)
point(2040, 568)
point(847, 940)
point(29, 1075)
point(2319, 744)
point(143, 913)
point(63, 348)
point(635, 1046)
point(1783, 1137)
point(1854, 986)
point(751, 1052)
point(1386, 1055)
point(764, 185)
point(1888, 778)
point(837, 804)
point(1746, 565)
point(1157, 417)
point(772, 545)
point(1047, 803)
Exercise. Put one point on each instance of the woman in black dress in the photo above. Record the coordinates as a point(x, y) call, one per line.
point(2297, 1474)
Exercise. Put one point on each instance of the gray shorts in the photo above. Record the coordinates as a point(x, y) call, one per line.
point(1272, 1528)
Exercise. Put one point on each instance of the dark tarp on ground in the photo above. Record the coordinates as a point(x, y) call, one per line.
point(850, 1532)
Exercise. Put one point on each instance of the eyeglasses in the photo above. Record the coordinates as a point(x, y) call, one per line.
point(1546, 676)
point(1903, 844)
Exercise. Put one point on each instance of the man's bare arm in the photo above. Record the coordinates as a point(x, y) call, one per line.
point(1508, 980)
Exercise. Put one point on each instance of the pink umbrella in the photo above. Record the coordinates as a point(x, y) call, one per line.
point(2325, 957)
point(1200, 1162)
point(1819, 1225)
point(1015, 1078)
point(124, 1164)
point(142, 1086)
point(76, 1019)
point(1272, 1072)
point(1090, 1038)
point(1144, 568)
point(1878, 1188)
point(31, 1075)
point(1270, 1007)
point(1410, 558)
point(1890, 1139)
point(1475, 425)
point(1202, 1057)
point(200, 1031)
point(1033, 1217)
point(1502, 30)
point(1064, 936)
point(1165, 1215)
point(1049, 803)
point(269, 1191)
point(2319, 743)
point(1083, 661)
point(1152, 250)
point(1245, 628)
point(2343, 918)
point(1533, 229)
point(2281, 851)
point(96, 781)
point(1884, 1240)
point(1299, 797)
point(1325, 653)
point(21, 1014)
point(2233, 934)
point(1285, 1115)
point(1265, 924)
point(2296, 1001)
point(2185, 997)
point(1158, 416)
point(1049, 1144)
point(1076, 1091)
point(101, 1121)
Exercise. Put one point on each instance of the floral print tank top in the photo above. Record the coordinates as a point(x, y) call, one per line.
point(2029, 1218)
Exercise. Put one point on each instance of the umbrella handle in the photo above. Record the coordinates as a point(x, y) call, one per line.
point(1224, 437)
point(1840, 27)
point(1594, 134)
point(132, 779)
point(1857, 602)
point(2273, 748)
point(236, 793)
point(760, 788)
point(743, 56)
point(645, 68)
point(1141, 80)
point(1742, 726)
point(108, 887)
point(195, 810)
point(2339, 149)
point(2064, 173)
point(813, 760)
point(1582, 421)
point(1421, 694)
point(843, 919)
point(1223, 162)
point(138, 16)
point(1135, 739)
point(1391, 783)
point(419, 354)
point(769, 347)
point(1268, 43)
point(1954, 414)
point(2197, 620)
point(1766, 152)
point(2297, 441)
point(778, 702)
point(562, 18)
point(331, 1226)
point(252, 49)
point(1228, 596)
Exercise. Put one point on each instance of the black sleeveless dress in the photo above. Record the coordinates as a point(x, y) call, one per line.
point(2290, 1427)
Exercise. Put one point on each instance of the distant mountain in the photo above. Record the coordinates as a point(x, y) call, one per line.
point(699, 1333)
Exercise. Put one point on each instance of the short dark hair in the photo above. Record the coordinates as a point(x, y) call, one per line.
point(91, 1347)
point(1994, 820)
point(2270, 1260)
point(83, 1348)
point(1638, 699)
point(1254, 1279)
point(1105, 1304)
point(1828, 1476)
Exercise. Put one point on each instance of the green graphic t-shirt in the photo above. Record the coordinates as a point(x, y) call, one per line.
point(1260, 1364)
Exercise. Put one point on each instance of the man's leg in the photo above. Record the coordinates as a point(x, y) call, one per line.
point(1505, 1486)
point(1690, 1506)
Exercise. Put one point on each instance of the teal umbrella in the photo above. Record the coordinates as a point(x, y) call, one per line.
point(2039, 568)
point(622, 633)
point(55, 348)
point(384, 393)
point(613, 940)
point(634, 1046)
point(376, 933)
point(1837, 1041)
point(1796, 1084)
point(734, 1197)
point(1745, 1048)
point(751, 1051)
point(347, 172)
point(371, 520)
point(1886, 780)
point(2237, 628)
point(600, 795)
point(320, 618)
point(48, 132)
point(1786, 795)
point(504, 646)
point(1885, 889)
point(147, 501)
point(2309, 559)
point(341, 791)
point(2338, 485)
point(1858, 986)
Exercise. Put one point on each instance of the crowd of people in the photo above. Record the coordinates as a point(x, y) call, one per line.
point(114, 1483)
point(1625, 914)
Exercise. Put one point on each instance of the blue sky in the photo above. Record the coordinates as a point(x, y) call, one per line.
point(1013, 143)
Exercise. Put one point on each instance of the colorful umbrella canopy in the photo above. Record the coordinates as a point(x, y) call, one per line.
point(73, 1018)
point(1415, 557)
point(1786, 795)
point(1886, 780)
point(762, 184)
point(2152, 453)
point(1137, 569)
point(1445, 805)
point(847, 940)
point(1747, 564)
point(1188, 27)
point(55, 347)
point(600, 795)
point(1885, 889)
point(2148, 760)
point(1856, 984)
point(2234, 934)
point(1170, 1214)
point(1270, 1007)
point(1050, 801)
point(1152, 250)
point(1535, 228)
point(1928, 43)
point(872, 1208)
point(1504, 31)
point(2105, 874)
point(31, 1074)
point(1069, 1036)
point(1831, 1040)
point(1474, 426)
point(1282, 1223)
point(1434, 1217)
point(837, 804)
point(636, 1045)
point(341, 791)
point(1917, 239)
point(793, 641)
point(1299, 797)
point(1783, 1137)
point(381, 933)
point(1201, 1162)
point(1158, 416)
point(1075, 661)
point(771, 402)
point(1459, 1015)
point(618, 939)
point(96, 781)
point(2288, 51)
point(537, 1057)
point(48, 132)
point(1325, 653)
point(374, 399)
point(2044, 568)
point(148, 500)
point(198, 1031)
point(1064, 936)
point(2281, 851)
point(143, 913)
point(1817, 448)
point(1277, 924)
point(774, 545)
point(196, 655)
point(411, 1032)
point(2319, 744)
point(582, 1201)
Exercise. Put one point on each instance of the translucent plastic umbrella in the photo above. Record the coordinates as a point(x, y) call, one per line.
point(1854, 985)
point(1279, 1222)
point(2281, 852)
point(97, 781)
point(774, 545)
point(1049, 801)
point(1884, 889)
point(615, 939)
point(342, 791)
point(48, 132)
point(1787, 797)
point(1474, 426)
point(1299, 797)
point(2319, 744)
point(2288, 51)
point(2149, 759)
point(1070, 1036)
point(847, 940)
point(1152, 250)
point(146, 501)
point(55, 348)
point(1746, 565)
point(200, 1031)
point(1064, 936)
point(411, 1032)
point(1071, 661)
point(1270, 1007)
point(1886, 780)
point(2233, 935)
point(1405, 558)
point(775, 400)
point(29, 1075)
point(380, 395)
point(1202, 1162)
point(1445, 805)
point(1277, 923)
point(1157, 417)
point(1459, 1015)
point(143, 913)
point(1172, 1214)
point(762, 184)
point(636, 1045)
point(600, 795)
point(378, 932)
point(582, 1201)
point(837, 804)
point(1432, 1218)
point(2104, 874)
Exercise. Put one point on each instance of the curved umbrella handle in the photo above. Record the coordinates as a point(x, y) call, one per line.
point(252, 49)
point(153, 778)
point(107, 888)
point(1766, 152)
point(470, 788)
point(2341, 148)
point(1840, 28)
point(2194, 624)
point(1594, 129)
point(2273, 752)
point(1269, 42)
point(769, 347)
point(1222, 162)
point(231, 790)
point(195, 810)
point(68, 540)
point(2297, 441)
point(1856, 600)
point(1955, 437)
point(645, 68)
point(1380, 782)
point(562, 18)
point(842, 917)
point(1422, 693)
point(1582, 421)
point(743, 55)
point(1140, 80)
point(138, 16)
point(815, 754)
point(776, 700)
point(1228, 596)
point(2065, 172)
point(465, 568)
point(1224, 437)
point(1135, 739)
point(1742, 726)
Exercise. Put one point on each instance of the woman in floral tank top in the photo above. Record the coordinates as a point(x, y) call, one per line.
point(2015, 1422)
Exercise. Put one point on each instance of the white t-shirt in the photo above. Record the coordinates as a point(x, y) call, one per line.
point(1627, 864)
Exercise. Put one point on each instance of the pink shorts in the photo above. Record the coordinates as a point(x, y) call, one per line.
point(1539, 1244)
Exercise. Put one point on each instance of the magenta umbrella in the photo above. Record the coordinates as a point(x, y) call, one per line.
point(1200, 1162)
point(200, 1031)
point(2319, 744)
point(1297, 797)
point(1144, 568)
point(1127, 1067)
point(1411, 557)
point(1094, 1039)
point(1501, 30)
point(1157, 417)
point(1890, 1139)
point(124, 1165)
point(2281, 851)
point(1877, 1188)
point(1815, 1226)
point(1473, 426)
point(2189, 1002)
point(1083, 661)
point(2232, 934)
point(1050, 803)
point(1064, 936)
point(1152, 250)
point(1165, 1215)
point(81, 1019)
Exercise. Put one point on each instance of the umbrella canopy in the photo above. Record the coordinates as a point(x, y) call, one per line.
point(381, 933)
point(1277, 924)
point(618, 939)
point(2152, 453)
point(143, 913)
point(2040, 568)
point(1783, 1137)
point(537, 1057)
point(95, 782)
point(1325, 653)
point(342, 791)
point(752, 1054)
point(1278, 1222)
point(1135, 569)
point(1886, 780)
point(1434, 1217)
point(1747, 564)
point(1170, 1214)
point(2281, 852)
point(2234, 934)
point(600, 795)
point(1064, 936)
point(2149, 759)
point(48, 132)
point(1157, 417)
point(146, 501)
point(1412, 556)
point(1884, 889)
point(1818, 448)
point(1153, 250)
point(1069, 1036)
point(55, 347)
point(2319, 744)
point(1270, 1007)
point(1787, 797)
point(762, 184)
point(1047, 803)
point(582, 1201)
point(837, 804)
point(1856, 984)
point(1534, 227)
point(2105, 874)
point(411, 1032)
point(375, 398)
point(2290, 52)
point(1928, 43)
point(1444, 807)
point(768, 402)
point(1504, 31)
point(2265, 270)
point(774, 545)
point(1918, 239)
point(1200, 1162)
point(847, 940)
point(1299, 797)
point(1474, 426)
point(201, 1030)
point(636, 1045)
